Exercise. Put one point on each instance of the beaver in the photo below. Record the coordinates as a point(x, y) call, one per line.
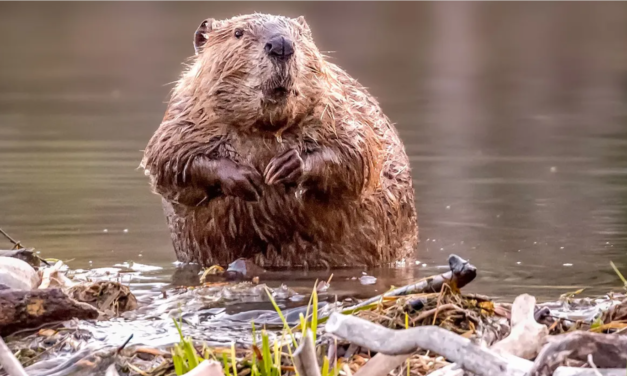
point(269, 152)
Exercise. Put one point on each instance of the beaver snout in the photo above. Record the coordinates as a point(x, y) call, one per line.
point(280, 47)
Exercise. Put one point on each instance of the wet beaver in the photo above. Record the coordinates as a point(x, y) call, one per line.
point(269, 152)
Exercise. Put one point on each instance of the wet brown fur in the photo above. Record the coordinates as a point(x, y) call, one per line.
point(354, 204)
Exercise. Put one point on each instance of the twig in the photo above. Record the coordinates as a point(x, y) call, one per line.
point(381, 365)
point(8, 361)
point(594, 367)
point(16, 243)
point(436, 310)
point(305, 357)
point(462, 273)
point(125, 343)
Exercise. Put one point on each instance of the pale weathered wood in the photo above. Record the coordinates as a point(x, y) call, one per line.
point(526, 337)
point(480, 361)
point(608, 351)
point(305, 359)
point(9, 363)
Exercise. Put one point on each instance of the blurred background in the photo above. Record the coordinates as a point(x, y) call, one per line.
point(514, 116)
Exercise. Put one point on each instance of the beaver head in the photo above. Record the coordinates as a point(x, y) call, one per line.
point(255, 71)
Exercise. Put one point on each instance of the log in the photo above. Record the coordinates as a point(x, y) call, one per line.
point(570, 371)
point(473, 358)
point(607, 350)
point(396, 344)
point(24, 309)
point(461, 274)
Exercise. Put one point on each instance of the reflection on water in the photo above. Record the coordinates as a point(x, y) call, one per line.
point(514, 115)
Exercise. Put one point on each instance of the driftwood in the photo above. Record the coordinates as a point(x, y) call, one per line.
point(478, 360)
point(462, 273)
point(207, 368)
point(18, 274)
point(22, 309)
point(305, 357)
point(526, 337)
point(570, 371)
point(381, 364)
point(607, 350)
point(397, 345)
point(9, 363)
point(25, 254)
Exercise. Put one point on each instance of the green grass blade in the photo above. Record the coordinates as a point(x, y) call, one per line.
point(280, 313)
point(314, 315)
point(233, 359)
point(265, 351)
point(325, 367)
point(620, 275)
point(303, 323)
point(225, 365)
point(178, 363)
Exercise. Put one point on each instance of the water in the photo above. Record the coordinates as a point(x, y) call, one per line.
point(514, 116)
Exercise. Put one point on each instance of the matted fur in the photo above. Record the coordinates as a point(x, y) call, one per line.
point(355, 203)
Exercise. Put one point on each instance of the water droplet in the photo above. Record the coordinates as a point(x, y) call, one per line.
point(105, 230)
point(448, 206)
point(568, 264)
point(518, 263)
point(125, 230)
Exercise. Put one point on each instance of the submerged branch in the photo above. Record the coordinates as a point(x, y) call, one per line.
point(462, 273)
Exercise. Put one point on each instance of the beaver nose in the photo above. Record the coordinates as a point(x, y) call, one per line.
point(280, 47)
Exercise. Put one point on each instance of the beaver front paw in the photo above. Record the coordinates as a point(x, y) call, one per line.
point(284, 168)
point(240, 181)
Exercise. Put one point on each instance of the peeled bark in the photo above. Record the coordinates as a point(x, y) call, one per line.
point(24, 309)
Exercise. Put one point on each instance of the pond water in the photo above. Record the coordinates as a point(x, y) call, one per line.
point(514, 116)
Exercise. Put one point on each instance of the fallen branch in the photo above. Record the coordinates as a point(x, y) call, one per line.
point(462, 273)
point(381, 365)
point(526, 337)
point(10, 364)
point(25, 254)
point(607, 350)
point(16, 243)
point(21, 309)
point(571, 371)
point(480, 361)
point(305, 357)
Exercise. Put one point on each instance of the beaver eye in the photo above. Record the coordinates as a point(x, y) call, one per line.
point(239, 33)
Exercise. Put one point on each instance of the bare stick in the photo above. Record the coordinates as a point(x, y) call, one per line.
point(381, 365)
point(305, 357)
point(480, 361)
point(572, 371)
point(16, 243)
point(10, 364)
point(462, 273)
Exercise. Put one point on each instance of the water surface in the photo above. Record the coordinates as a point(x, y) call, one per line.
point(514, 116)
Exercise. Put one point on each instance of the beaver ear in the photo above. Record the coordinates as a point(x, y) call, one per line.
point(201, 34)
point(301, 21)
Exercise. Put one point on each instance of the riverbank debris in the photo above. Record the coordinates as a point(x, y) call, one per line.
point(429, 327)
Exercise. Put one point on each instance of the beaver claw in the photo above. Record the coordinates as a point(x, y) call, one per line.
point(240, 181)
point(284, 168)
